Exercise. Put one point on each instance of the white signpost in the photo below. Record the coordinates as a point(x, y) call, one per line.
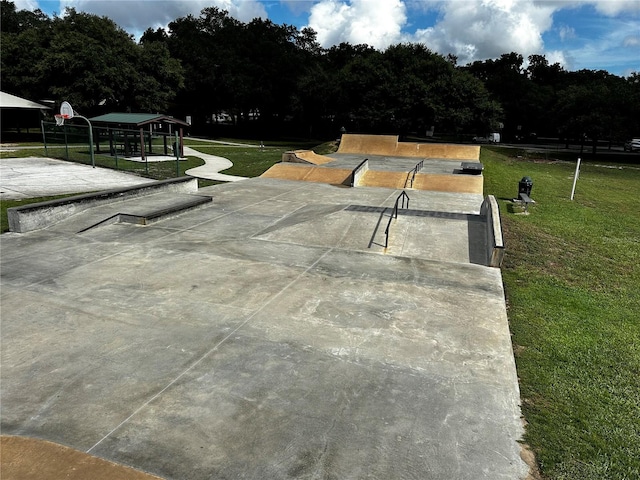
point(575, 178)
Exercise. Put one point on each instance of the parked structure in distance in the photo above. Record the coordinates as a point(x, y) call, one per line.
point(491, 138)
point(632, 145)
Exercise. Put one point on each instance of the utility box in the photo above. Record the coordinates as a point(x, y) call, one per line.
point(525, 185)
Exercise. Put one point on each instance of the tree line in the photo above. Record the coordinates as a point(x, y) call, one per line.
point(266, 79)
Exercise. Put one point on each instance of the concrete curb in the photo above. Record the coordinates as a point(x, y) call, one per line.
point(40, 215)
point(495, 243)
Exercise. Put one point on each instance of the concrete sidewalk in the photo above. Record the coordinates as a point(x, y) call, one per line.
point(212, 167)
point(267, 334)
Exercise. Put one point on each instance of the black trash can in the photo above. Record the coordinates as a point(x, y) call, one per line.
point(525, 186)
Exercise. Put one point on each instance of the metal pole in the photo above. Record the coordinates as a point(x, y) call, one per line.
point(177, 152)
point(575, 178)
point(66, 141)
point(142, 152)
point(93, 160)
point(44, 138)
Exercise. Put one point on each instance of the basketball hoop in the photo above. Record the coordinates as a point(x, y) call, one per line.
point(66, 113)
point(60, 118)
point(66, 110)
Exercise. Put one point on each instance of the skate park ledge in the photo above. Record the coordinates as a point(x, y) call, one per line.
point(39, 215)
point(495, 243)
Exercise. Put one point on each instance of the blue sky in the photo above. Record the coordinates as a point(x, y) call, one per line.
point(591, 34)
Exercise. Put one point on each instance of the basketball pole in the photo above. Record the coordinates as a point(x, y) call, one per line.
point(93, 160)
point(66, 111)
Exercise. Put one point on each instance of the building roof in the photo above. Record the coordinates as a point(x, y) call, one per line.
point(12, 101)
point(137, 119)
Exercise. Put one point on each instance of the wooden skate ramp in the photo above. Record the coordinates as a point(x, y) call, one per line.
point(384, 179)
point(30, 458)
point(368, 144)
point(306, 156)
point(424, 181)
point(449, 183)
point(388, 145)
point(445, 151)
point(307, 173)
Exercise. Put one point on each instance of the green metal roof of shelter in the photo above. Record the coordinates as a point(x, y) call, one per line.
point(137, 119)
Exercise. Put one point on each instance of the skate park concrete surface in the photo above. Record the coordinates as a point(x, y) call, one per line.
point(267, 333)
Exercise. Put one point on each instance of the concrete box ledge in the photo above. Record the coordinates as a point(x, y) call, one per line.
point(359, 172)
point(495, 243)
point(43, 214)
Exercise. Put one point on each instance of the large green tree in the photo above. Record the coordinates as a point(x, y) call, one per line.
point(276, 78)
point(592, 107)
point(85, 59)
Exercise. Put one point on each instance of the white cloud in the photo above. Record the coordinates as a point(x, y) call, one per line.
point(566, 32)
point(631, 41)
point(557, 56)
point(137, 16)
point(375, 22)
point(609, 8)
point(616, 7)
point(488, 28)
point(26, 4)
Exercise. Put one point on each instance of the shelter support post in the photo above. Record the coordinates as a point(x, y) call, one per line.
point(44, 138)
point(142, 152)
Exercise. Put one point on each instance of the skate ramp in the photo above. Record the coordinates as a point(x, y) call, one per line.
point(24, 458)
point(368, 144)
point(423, 181)
point(306, 156)
point(389, 145)
point(378, 178)
point(306, 173)
point(449, 183)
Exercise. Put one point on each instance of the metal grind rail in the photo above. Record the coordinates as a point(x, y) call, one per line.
point(415, 170)
point(394, 214)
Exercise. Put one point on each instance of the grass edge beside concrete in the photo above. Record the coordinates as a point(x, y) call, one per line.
point(572, 277)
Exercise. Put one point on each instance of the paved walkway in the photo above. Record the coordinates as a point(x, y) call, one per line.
point(213, 165)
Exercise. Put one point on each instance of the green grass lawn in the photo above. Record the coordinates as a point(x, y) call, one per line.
point(572, 280)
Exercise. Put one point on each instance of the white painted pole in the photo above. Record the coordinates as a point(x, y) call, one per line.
point(575, 178)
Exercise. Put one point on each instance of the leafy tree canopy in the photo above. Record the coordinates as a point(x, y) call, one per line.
point(271, 77)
